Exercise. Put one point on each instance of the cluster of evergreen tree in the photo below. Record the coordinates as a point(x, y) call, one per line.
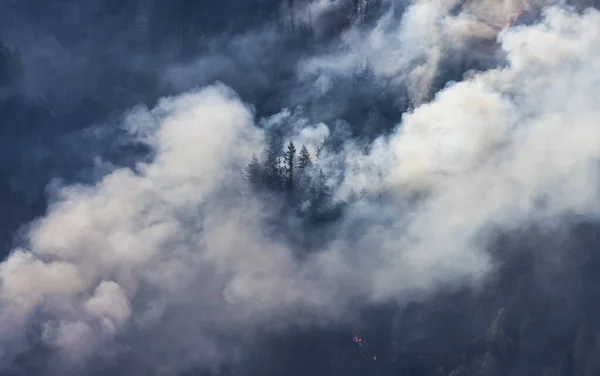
point(293, 177)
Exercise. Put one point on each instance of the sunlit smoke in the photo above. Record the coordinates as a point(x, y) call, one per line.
point(175, 262)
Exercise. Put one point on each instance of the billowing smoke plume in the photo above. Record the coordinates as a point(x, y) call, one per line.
point(171, 263)
point(432, 40)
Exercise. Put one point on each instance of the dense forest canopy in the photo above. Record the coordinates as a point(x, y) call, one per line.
point(300, 187)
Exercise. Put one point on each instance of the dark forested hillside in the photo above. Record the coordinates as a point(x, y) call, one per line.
point(533, 316)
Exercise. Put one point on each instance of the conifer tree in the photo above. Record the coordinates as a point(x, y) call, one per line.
point(320, 195)
point(288, 160)
point(272, 169)
point(324, 192)
point(304, 160)
point(253, 173)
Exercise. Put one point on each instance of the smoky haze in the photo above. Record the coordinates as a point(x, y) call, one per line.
point(437, 215)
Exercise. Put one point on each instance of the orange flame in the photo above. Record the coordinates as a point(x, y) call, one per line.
point(516, 15)
point(357, 340)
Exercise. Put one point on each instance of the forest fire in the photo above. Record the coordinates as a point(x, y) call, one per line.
point(360, 342)
point(515, 17)
point(356, 339)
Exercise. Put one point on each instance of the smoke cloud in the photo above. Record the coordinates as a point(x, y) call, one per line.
point(168, 264)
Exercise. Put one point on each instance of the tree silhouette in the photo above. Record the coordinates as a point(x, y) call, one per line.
point(304, 160)
point(320, 195)
point(272, 168)
point(288, 160)
point(253, 173)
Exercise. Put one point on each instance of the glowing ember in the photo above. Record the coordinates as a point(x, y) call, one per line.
point(365, 354)
point(357, 340)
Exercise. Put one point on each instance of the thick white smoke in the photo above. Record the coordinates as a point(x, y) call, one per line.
point(506, 147)
point(170, 259)
point(431, 34)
